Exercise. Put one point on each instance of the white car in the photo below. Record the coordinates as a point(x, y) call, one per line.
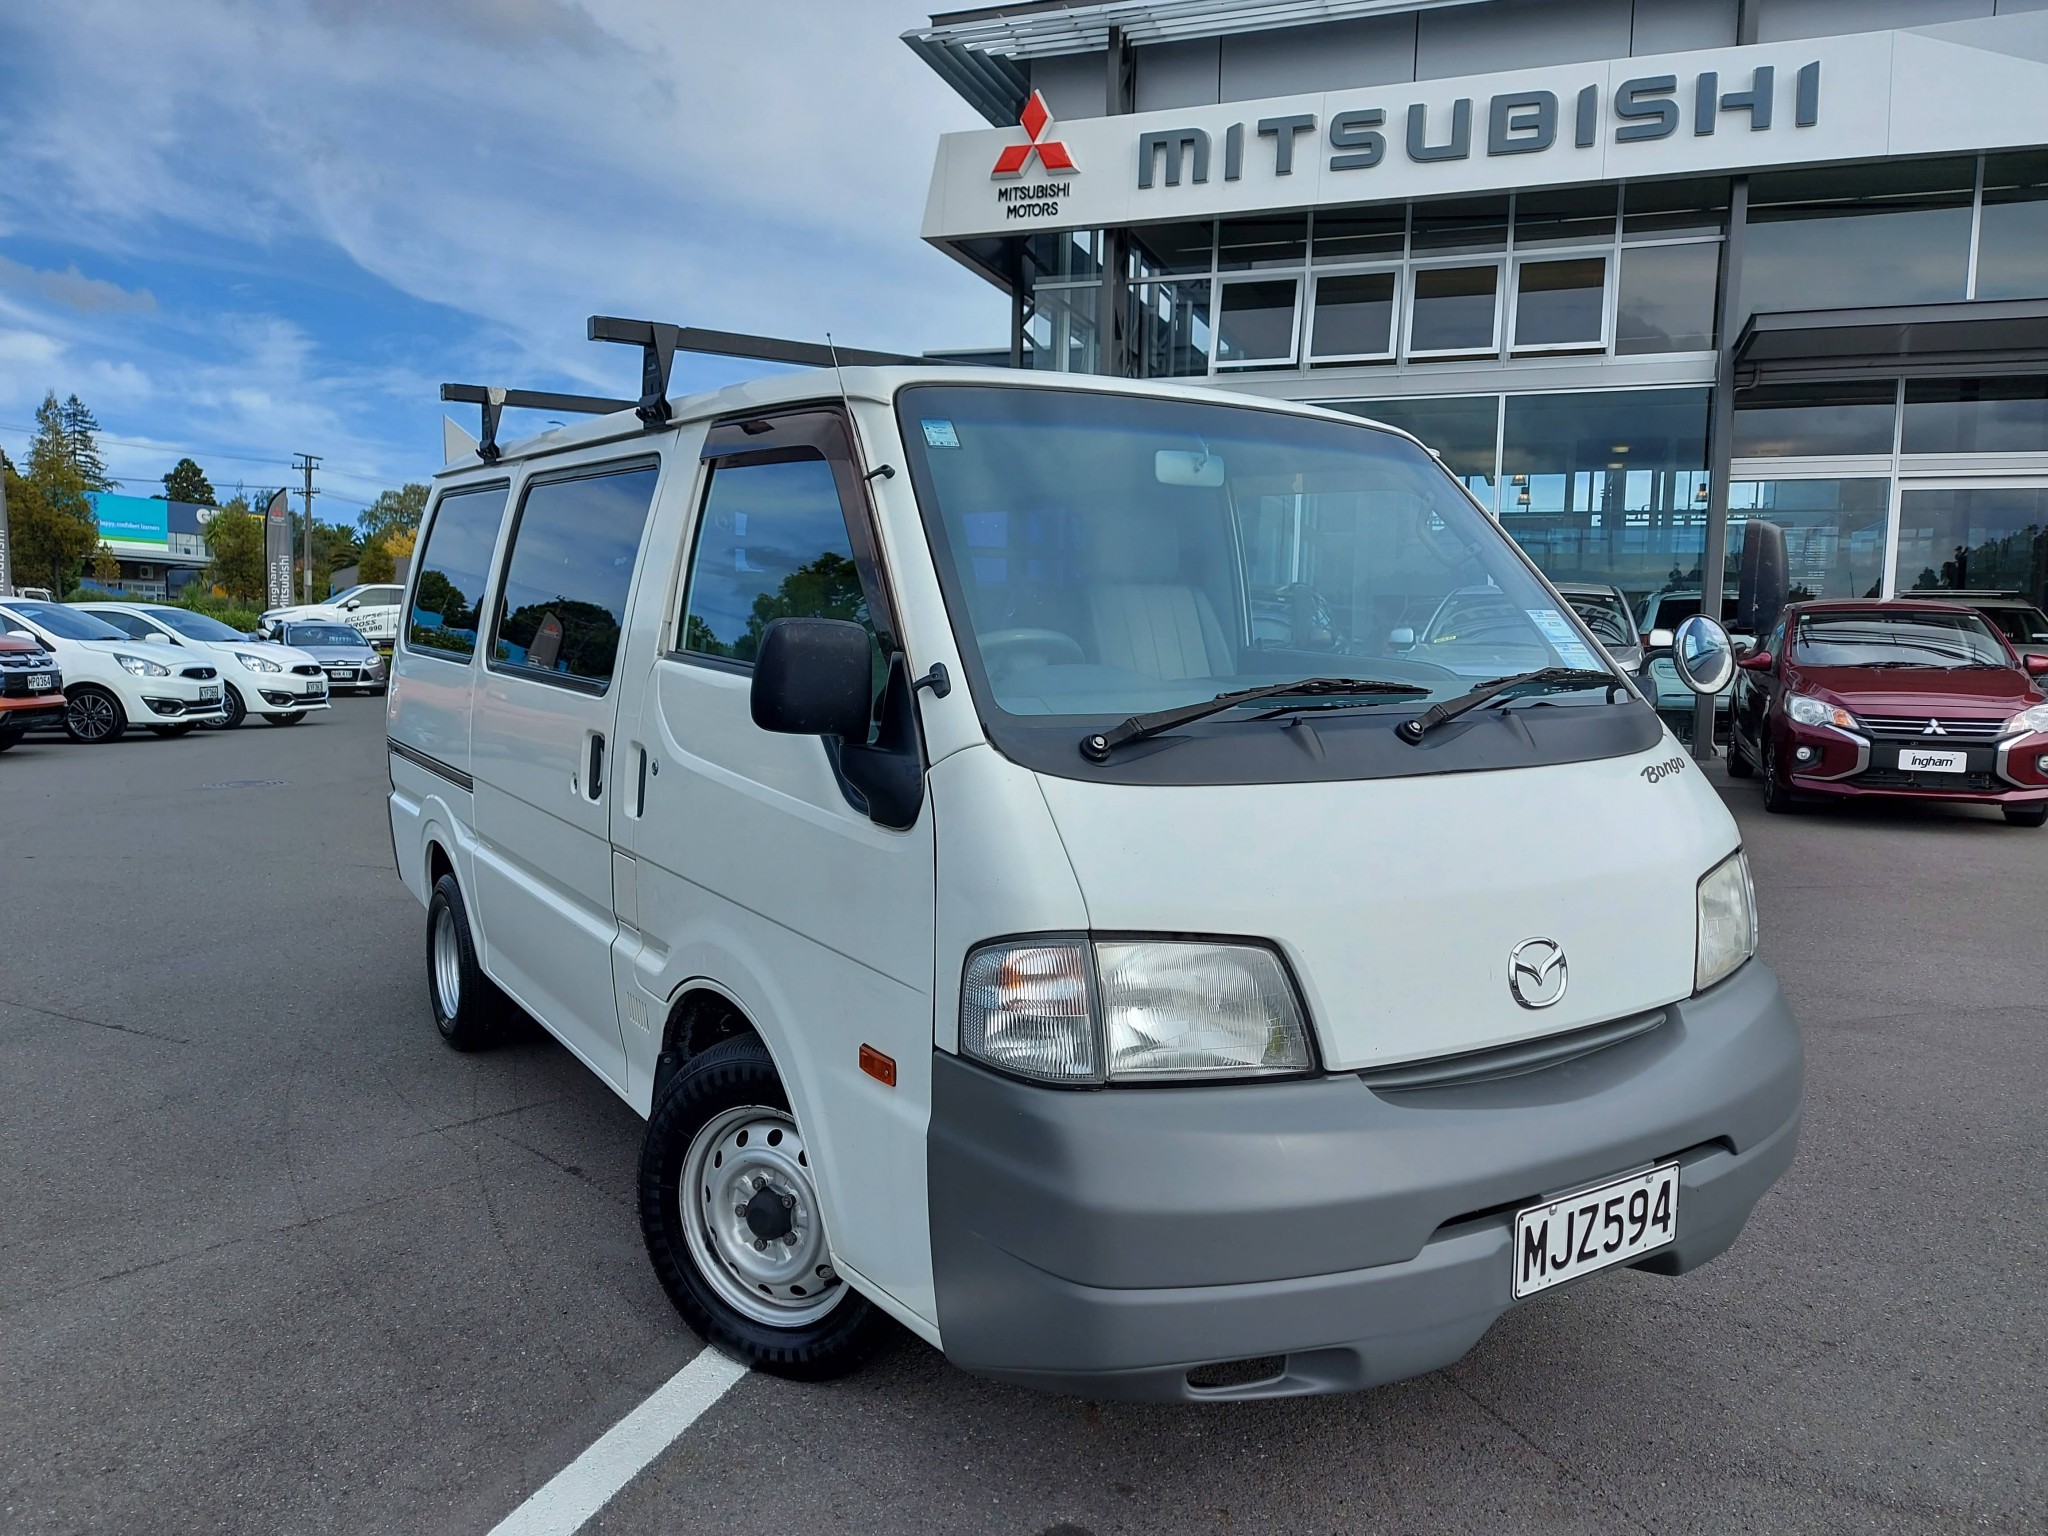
point(111, 681)
point(274, 682)
point(371, 610)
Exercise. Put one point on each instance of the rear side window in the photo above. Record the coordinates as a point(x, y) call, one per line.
point(448, 596)
point(127, 623)
point(771, 544)
point(563, 604)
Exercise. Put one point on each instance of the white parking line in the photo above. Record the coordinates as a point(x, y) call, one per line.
point(562, 1504)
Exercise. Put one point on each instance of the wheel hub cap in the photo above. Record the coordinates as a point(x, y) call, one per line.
point(750, 1209)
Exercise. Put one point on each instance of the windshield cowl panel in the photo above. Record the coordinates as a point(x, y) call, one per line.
point(1108, 557)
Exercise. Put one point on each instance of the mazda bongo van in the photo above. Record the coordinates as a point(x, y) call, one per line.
point(1005, 835)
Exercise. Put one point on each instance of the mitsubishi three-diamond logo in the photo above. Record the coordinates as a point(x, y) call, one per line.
point(1050, 153)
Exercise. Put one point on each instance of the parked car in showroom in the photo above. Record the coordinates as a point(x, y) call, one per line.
point(111, 681)
point(278, 684)
point(1903, 700)
point(350, 661)
point(31, 688)
point(1606, 612)
point(1658, 616)
point(371, 610)
point(2022, 623)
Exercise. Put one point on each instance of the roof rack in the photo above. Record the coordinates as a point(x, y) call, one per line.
point(659, 341)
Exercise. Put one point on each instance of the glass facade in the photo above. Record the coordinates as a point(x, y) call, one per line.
point(1993, 537)
point(1834, 531)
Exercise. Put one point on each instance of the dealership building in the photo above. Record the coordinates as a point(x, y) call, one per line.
point(1640, 271)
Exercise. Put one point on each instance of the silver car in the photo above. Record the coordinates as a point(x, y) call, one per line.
point(1605, 610)
point(351, 662)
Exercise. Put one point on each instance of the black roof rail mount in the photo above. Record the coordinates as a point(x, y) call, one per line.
point(657, 342)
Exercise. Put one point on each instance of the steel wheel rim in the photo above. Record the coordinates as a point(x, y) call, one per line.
point(91, 716)
point(447, 965)
point(752, 1159)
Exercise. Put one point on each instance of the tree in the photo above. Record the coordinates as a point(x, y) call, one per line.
point(106, 566)
point(49, 541)
point(376, 564)
point(81, 441)
point(234, 541)
point(392, 511)
point(188, 482)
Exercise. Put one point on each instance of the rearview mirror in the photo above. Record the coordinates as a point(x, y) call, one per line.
point(1181, 466)
point(813, 677)
point(1703, 655)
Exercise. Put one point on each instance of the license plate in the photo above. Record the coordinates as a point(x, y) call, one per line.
point(38, 682)
point(209, 695)
point(1608, 1224)
point(338, 673)
point(1913, 760)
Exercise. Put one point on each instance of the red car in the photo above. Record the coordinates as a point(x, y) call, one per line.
point(31, 688)
point(1911, 700)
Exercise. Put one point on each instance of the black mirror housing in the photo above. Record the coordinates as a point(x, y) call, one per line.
point(813, 677)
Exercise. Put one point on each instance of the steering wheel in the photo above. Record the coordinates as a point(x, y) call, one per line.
point(1007, 650)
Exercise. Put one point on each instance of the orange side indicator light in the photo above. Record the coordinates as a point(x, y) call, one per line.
point(881, 1068)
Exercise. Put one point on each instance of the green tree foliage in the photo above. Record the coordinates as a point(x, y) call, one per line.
point(51, 522)
point(81, 442)
point(393, 511)
point(234, 542)
point(106, 566)
point(825, 588)
point(376, 564)
point(188, 482)
point(438, 597)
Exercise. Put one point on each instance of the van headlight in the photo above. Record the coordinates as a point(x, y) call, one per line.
point(2028, 721)
point(1727, 914)
point(1076, 1011)
point(141, 666)
point(1809, 711)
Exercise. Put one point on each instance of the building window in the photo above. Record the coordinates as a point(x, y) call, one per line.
point(1996, 538)
point(1848, 235)
point(2001, 415)
point(2012, 230)
point(1561, 304)
point(1455, 311)
point(1666, 298)
point(1244, 245)
point(1834, 532)
point(1461, 430)
point(1776, 421)
point(1354, 316)
point(1170, 328)
point(1257, 320)
point(1060, 328)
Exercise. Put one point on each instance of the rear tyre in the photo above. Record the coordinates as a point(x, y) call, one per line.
point(2027, 815)
point(1777, 793)
point(469, 1010)
point(729, 1210)
point(1739, 767)
point(291, 719)
point(93, 715)
point(234, 711)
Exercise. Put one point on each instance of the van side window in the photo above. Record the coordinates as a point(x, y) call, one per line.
point(771, 545)
point(448, 597)
point(562, 605)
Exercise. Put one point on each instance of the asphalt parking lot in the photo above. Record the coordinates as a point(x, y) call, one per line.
point(274, 1259)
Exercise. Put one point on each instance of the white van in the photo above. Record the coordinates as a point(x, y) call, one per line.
point(1002, 833)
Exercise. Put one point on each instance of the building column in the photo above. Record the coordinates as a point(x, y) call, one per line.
point(1721, 439)
point(1120, 90)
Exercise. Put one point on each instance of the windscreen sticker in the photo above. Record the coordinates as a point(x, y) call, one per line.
point(939, 433)
point(1563, 638)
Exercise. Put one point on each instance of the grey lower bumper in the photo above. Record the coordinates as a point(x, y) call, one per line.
point(1105, 1243)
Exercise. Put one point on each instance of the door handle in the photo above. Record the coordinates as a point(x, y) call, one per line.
point(640, 799)
point(594, 784)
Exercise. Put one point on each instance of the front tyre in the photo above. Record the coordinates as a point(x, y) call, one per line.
point(2027, 815)
point(93, 715)
point(1777, 793)
point(234, 711)
point(468, 1007)
point(292, 718)
point(1739, 766)
point(729, 1210)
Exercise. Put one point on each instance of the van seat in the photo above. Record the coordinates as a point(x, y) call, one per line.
point(1146, 619)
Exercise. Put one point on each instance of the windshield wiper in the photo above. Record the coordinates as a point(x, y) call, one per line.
point(1563, 679)
point(1096, 748)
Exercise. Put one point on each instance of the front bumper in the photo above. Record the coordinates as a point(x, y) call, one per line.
point(1105, 1243)
point(1849, 765)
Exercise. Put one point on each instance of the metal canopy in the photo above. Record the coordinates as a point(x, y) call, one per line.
point(977, 52)
point(1888, 337)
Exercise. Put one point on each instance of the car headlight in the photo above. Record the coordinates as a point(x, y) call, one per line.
point(1727, 921)
point(257, 663)
point(141, 666)
point(1808, 711)
point(1139, 1010)
point(2028, 721)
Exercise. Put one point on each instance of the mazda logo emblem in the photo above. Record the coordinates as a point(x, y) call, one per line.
point(1536, 972)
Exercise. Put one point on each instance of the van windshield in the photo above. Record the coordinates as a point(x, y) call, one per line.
point(1106, 555)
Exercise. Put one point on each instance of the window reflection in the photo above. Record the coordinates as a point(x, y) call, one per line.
point(1354, 315)
point(573, 551)
point(1561, 303)
point(1895, 233)
point(2012, 233)
point(1256, 322)
point(1666, 302)
point(1463, 430)
point(2001, 415)
point(448, 598)
point(1783, 420)
point(1834, 532)
point(1454, 309)
point(1974, 539)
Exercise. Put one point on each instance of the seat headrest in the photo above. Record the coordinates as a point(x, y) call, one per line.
point(1129, 545)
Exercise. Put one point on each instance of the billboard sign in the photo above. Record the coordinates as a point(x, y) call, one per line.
point(133, 522)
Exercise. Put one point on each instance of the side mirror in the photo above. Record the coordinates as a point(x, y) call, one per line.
point(158, 637)
point(1401, 638)
point(812, 677)
point(1659, 640)
point(1703, 655)
point(2037, 666)
point(353, 604)
point(1756, 661)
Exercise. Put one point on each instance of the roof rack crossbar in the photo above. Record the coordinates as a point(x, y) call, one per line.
point(776, 349)
point(494, 400)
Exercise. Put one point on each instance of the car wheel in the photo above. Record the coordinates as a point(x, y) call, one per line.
point(1777, 793)
point(1739, 766)
point(468, 1007)
point(10, 734)
point(729, 1210)
point(291, 719)
point(93, 715)
point(175, 730)
point(234, 711)
point(2027, 815)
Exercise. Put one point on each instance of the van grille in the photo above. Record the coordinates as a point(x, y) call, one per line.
point(1509, 1060)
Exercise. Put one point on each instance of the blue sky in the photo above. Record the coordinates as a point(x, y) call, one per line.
point(246, 230)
